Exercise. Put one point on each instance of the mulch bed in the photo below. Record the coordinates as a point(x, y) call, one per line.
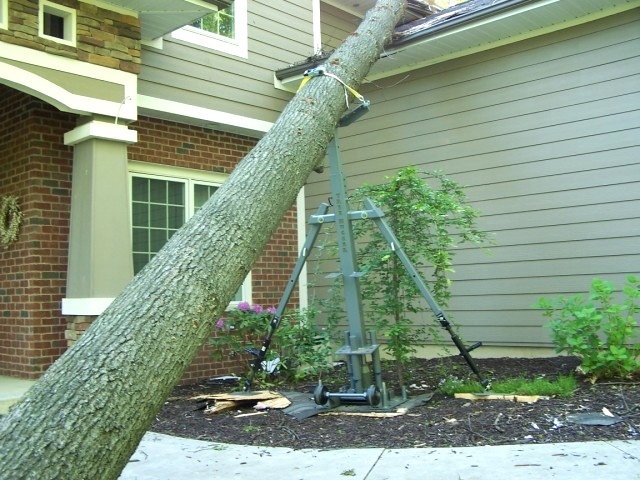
point(440, 422)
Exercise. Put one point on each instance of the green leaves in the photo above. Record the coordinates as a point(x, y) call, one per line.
point(597, 329)
point(429, 215)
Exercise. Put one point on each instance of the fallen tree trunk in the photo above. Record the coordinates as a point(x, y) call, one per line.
point(85, 416)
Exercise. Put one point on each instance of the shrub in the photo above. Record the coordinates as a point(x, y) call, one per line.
point(429, 222)
point(298, 346)
point(596, 329)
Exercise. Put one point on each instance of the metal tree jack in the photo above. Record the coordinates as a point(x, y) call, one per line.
point(366, 386)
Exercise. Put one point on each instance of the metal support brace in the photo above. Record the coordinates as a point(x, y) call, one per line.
point(276, 318)
point(358, 344)
point(394, 244)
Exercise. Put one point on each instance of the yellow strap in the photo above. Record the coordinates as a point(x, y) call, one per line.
point(303, 82)
point(351, 90)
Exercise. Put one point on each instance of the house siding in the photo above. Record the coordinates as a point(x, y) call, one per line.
point(335, 26)
point(545, 134)
point(186, 73)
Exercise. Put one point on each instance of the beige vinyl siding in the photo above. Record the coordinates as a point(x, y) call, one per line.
point(546, 135)
point(279, 33)
point(335, 26)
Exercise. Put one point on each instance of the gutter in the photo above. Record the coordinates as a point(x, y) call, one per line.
point(459, 20)
point(404, 41)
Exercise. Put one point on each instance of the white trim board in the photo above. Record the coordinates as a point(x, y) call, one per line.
point(216, 119)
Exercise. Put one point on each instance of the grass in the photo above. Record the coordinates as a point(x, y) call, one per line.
point(563, 386)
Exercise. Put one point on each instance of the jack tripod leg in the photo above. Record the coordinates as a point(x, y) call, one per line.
point(389, 236)
point(260, 355)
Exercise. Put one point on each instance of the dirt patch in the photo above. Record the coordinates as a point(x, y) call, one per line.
point(440, 422)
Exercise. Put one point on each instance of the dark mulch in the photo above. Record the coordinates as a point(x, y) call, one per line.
point(441, 422)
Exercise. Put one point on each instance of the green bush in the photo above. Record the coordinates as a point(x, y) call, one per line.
point(430, 216)
point(299, 347)
point(596, 329)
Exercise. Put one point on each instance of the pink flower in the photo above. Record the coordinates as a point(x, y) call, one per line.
point(257, 309)
point(271, 310)
point(220, 323)
point(244, 306)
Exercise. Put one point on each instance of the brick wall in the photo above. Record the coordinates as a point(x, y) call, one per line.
point(103, 37)
point(36, 167)
point(179, 145)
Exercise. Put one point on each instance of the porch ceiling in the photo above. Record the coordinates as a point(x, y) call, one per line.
point(159, 17)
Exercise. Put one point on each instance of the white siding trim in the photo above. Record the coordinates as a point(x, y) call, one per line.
point(43, 88)
point(317, 27)
point(102, 130)
point(303, 281)
point(85, 306)
point(206, 115)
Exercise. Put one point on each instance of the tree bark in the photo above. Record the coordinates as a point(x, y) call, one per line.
point(84, 418)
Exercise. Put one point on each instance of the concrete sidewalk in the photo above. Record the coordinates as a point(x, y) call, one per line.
point(162, 457)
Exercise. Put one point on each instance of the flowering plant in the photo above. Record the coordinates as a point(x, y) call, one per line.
point(299, 347)
point(242, 327)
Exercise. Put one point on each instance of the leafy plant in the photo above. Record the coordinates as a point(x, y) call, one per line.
point(428, 222)
point(298, 348)
point(596, 329)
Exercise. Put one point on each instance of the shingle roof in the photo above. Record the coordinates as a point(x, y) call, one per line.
point(443, 16)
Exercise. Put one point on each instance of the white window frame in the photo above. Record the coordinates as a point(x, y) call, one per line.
point(69, 17)
point(4, 14)
point(237, 46)
point(189, 177)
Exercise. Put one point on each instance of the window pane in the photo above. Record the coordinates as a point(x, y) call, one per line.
point(175, 193)
point(158, 216)
point(175, 217)
point(158, 210)
point(140, 189)
point(221, 22)
point(139, 261)
point(158, 238)
point(140, 240)
point(238, 296)
point(140, 214)
point(158, 191)
point(202, 193)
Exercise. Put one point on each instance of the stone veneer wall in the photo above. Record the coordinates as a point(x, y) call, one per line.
point(103, 37)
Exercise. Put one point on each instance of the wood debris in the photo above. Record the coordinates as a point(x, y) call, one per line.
point(263, 399)
point(397, 413)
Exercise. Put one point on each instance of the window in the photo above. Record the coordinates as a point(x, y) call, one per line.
point(57, 23)
point(161, 202)
point(4, 14)
point(220, 23)
point(224, 30)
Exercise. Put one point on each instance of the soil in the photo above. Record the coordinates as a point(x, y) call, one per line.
point(442, 421)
